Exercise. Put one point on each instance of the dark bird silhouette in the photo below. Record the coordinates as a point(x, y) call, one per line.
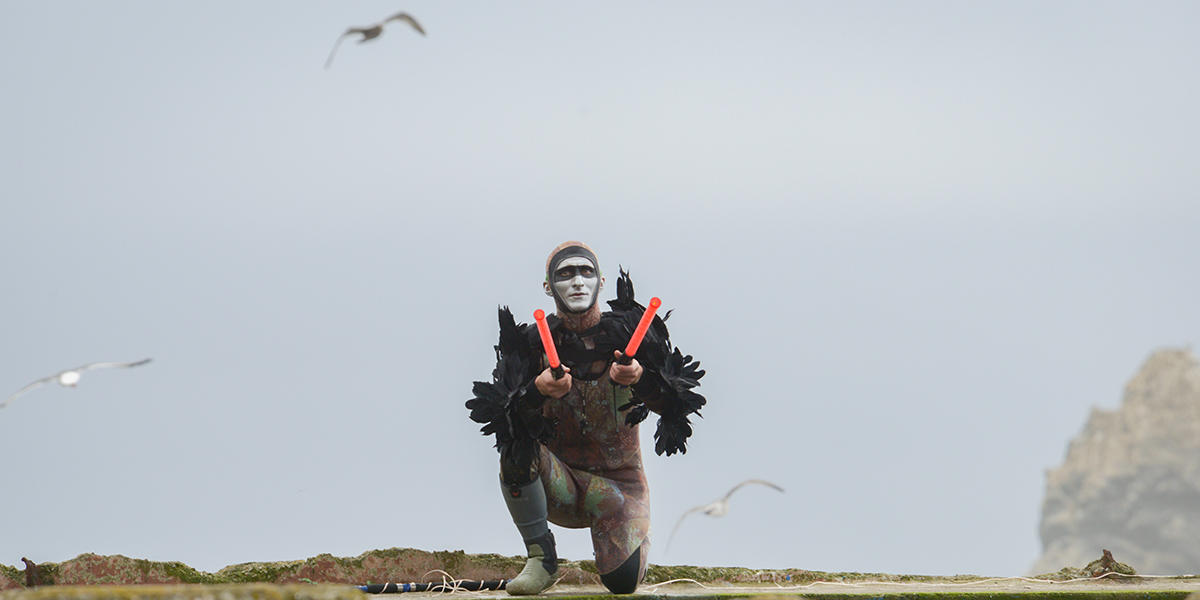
point(717, 508)
point(371, 32)
point(33, 573)
point(70, 377)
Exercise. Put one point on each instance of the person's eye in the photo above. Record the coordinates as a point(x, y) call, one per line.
point(586, 272)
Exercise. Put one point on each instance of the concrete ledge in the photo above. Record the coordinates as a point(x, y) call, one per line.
point(249, 591)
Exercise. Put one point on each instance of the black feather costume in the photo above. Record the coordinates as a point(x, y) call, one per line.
point(669, 376)
point(505, 406)
point(510, 406)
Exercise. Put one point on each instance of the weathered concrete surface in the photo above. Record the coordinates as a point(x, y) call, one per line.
point(373, 566)
point(1005, 589)
point(996, 589)
point(91, 576)
point(398, 565)
point(253, 591)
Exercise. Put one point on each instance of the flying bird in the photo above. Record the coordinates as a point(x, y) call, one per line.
point(70, 377)
point(717, 508)
point(371, 32)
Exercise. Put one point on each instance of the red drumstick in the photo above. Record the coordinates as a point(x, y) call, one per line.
point(640, 331)
point(548, 343)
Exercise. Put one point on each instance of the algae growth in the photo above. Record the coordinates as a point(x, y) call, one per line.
point(408, 565)
point(256, 591)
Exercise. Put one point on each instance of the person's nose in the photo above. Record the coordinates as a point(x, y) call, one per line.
point(577, 281)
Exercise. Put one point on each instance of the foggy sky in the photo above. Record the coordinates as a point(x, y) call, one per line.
point(912, 244)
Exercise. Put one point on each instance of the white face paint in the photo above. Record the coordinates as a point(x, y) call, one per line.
point(576, 283)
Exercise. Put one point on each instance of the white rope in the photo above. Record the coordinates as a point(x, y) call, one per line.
point(452, 585)
point(655, 586)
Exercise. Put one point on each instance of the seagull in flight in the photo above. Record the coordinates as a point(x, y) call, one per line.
point(717, 508)
point(371, 32)
point(70, 377)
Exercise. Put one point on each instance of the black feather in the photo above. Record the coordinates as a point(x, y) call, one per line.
point(624, 299)
point(505, 406)
point(672, 434)
point(672, 374)
point(676, 376)
point(638, 411)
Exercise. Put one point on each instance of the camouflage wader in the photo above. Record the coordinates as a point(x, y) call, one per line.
point(592, 472)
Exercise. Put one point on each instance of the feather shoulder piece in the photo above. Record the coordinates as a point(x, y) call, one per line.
point(669, 376)
point(676, 380)
point(509, 407)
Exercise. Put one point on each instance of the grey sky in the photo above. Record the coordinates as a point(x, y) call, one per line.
point(912, 243)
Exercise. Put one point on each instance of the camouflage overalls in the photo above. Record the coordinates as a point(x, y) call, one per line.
point(592, 472)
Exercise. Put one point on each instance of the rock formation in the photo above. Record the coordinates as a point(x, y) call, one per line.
point(1131, 479)
point(32, 576)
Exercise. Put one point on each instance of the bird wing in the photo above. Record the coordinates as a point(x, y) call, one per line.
point(36, 384)
point(748, 481)
point(351, 31)
point(675, 529)
point(110, 365)
point(402, 16)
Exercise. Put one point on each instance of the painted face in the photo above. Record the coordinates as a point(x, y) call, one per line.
point(575, 283)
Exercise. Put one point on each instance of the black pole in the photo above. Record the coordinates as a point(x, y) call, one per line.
point(440, 586)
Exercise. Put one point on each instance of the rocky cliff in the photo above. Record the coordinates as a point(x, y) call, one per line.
point(1131, 480)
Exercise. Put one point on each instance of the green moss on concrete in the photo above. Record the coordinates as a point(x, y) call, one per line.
point(260, 572)
point(500, 562)
point(575, 572)
point(772, 593)
point(661, 573)
point(12, 573)
point(392, 553)
point(257, 591)
point(344, 562)
point(1025, 595)
point(186, 574)
point(261, 591)
point(451, 561)
point(1063, 574)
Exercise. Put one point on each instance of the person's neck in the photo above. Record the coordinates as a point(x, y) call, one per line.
point(580, 321)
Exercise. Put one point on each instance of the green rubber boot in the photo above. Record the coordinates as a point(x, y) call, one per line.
point(539, 570)
point(527, 505)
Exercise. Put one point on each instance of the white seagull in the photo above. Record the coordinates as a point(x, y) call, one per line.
point(717, 508)
point(371, 32)
point(70, 377)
